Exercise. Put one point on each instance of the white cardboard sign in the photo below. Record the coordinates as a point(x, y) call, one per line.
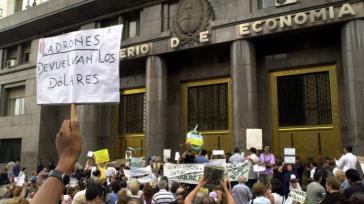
point(79, 67)
point(166, 154)
point(290, 151)
point(289, 159)
point(254, 138)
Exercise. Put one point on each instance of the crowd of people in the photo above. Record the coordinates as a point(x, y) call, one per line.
point(331, 182)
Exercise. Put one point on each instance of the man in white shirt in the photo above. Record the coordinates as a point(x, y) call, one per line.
point(348, 160)
point(236, 157)
point(253, 159)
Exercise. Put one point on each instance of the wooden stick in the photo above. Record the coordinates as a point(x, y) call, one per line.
point(73, 112)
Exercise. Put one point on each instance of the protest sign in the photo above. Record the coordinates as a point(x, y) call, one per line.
point(90, 154)
point(298, 195)
point(212, 175)
point(290, 159)
point(128, 155)
point(101, 156)
point(289, 155)
point(290, 151)
point(254, 138)
point(166, 154)
point(137, 172)
point(258, 168)
point(79, 67)
point(176, 156)
point(191, 173)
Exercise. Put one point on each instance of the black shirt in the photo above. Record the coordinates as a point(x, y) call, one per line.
point(354, 188)
point(333, 198)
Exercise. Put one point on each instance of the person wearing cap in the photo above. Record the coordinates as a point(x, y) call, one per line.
point(294, 184)
point(287, 174)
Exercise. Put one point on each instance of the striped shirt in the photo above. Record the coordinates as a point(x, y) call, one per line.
point(163, 196)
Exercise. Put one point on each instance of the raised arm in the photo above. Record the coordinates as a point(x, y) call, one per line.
point(229, 195)
point(192, 194)
point(69, 147)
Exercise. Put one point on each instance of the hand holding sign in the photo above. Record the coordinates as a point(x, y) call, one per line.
point(69, 145)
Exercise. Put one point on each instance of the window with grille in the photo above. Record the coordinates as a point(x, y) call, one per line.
point(208, 107)
point(132, 113)
point(304, 99)
point(10, 150)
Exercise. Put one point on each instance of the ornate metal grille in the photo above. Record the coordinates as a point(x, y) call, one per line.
point(208, 107)
point(132, 113)
point(304, 99)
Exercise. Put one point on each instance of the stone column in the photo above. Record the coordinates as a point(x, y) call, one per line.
point(156, 106)
point(353, 63)
point(244, 90)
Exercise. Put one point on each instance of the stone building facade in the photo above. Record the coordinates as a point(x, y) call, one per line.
point(292, 70)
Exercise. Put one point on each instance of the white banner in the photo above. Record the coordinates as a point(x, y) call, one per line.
point(191, 173)
point(79, 67)
point(137, 172)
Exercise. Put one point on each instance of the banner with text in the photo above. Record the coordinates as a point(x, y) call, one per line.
point(79, 67)
point(191, 173)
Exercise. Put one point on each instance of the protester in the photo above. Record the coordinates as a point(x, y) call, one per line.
point(252, 159)
point(163, 195)
point(4, 177)
point(112, 197)
point(315, 192)
point(259, 191)
point(236, 157)
point(277, 191)
point(333, 196)
point(241, 192)
point(268, 160)
point(356, 184)
point(348, 160)
point(201, 158)
point(69, 147)
point(285, 173)
point(94, 194)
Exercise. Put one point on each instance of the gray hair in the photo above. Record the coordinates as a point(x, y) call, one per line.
point(162, 184)
point(241, 179)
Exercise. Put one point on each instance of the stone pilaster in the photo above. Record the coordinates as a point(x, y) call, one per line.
point(244, 90)
point(352, 38)
point(156, 106)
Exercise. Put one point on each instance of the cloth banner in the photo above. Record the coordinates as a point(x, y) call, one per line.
point(79, 67)
point(143, 175)
point(191, 173)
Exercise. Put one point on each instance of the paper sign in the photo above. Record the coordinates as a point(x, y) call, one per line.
point(290, 151)
point(101, 156)
point(254, 138)
point(176, 156)
point(166, 154)
point(289, 159)
point(298, 195)
point(128, 155)
point(218, 152)
point(258, 168)
point(90, 154)
point(79, 67)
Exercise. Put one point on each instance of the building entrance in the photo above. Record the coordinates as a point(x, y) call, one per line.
point(131, 117)
point(305, 113)
point(208, 105)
